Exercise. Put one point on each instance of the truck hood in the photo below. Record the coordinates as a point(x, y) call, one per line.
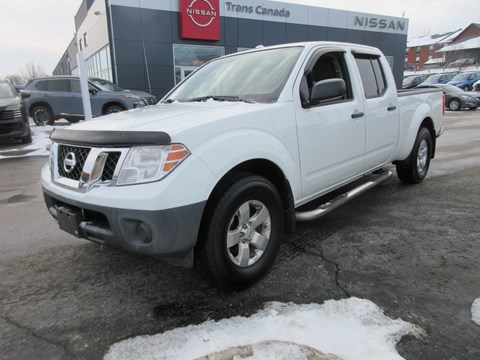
point(170, 118)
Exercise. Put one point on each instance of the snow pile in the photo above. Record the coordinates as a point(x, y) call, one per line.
point(351, 329)
point(38, 147)
point(476, 311)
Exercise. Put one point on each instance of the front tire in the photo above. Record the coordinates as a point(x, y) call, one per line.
point(242, 233)
point(26, 139)
point(454, 105)
point(113, 109)
point(42, 115)
point(415, 168)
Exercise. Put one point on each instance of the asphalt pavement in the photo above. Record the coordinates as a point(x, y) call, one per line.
point(412, 250)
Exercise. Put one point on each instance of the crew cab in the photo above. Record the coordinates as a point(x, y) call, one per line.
point(233, 156)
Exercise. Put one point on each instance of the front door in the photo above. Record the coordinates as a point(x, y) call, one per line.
point(331, 135)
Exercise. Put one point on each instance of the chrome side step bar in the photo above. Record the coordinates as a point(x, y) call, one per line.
point(374, 179)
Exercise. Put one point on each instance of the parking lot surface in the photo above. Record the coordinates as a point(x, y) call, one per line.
point(412, 250)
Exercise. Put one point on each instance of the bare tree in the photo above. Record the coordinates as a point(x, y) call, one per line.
point(16, 79)
point(32, 70)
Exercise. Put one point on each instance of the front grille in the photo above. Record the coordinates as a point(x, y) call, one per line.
point(150, 100)
point(81, 155)
point(110, 165)
point(10, 114)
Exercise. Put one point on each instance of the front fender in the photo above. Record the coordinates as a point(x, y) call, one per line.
point(224, 152)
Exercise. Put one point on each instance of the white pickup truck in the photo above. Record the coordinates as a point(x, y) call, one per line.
point(225, 164)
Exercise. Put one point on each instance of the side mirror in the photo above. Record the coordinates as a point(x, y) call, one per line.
point(92, 91)
point(327, 90)
point(24, 94)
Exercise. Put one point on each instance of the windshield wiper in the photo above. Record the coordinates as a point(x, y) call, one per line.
point(219, 98)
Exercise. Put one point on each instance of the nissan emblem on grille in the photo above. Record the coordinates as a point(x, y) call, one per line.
point(69, 162)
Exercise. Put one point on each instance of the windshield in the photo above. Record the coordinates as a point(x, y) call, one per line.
point(461, 77)
point(433, 78)
point(408, 80)
point(257, 76)
point(105, 85)
point(7, 91)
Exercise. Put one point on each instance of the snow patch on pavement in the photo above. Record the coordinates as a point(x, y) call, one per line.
point(38, 147)
point(476, 311)
point(350, 328)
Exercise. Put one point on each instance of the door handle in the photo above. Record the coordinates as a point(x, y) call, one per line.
point(357, 115)
point(391, 108)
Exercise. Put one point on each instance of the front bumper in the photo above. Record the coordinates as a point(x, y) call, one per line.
point(13, 124)
point(169, 233)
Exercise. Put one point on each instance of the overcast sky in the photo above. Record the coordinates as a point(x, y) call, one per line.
point(40, 30)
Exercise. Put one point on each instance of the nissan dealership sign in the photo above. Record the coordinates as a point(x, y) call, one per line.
point(200, 19)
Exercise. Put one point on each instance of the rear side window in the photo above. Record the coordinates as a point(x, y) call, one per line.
point(62, 85)
point(371, 72)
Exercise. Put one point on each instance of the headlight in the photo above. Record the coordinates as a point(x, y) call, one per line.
point(150, 163)
point(15, 107)
point(138, 103)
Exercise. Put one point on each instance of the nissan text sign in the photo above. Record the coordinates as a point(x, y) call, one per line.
point(200, 19)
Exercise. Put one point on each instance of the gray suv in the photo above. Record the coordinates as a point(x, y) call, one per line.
point(56, 97)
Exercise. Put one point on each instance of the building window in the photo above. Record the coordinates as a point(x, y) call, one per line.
point(417, 59)
point(85, 40)
point(99, 65)
point(418, 49)
point(188, 57)
point(430, 48)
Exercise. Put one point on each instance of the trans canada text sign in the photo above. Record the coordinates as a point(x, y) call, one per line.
point(200, 19)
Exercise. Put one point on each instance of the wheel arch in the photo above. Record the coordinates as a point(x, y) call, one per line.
point(40, 103)
point(260, 167)
point(455, 99)
point(112, 103)
point(430, 126)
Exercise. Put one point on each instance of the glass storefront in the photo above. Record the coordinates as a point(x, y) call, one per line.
point(99, 65)
point(188, 57)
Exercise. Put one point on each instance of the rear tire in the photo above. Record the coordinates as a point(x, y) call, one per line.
point(415, 168)
point(42, 115)
point(242, 233)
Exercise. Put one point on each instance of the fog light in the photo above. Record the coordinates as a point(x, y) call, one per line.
point(137, 232)
point(143, 233)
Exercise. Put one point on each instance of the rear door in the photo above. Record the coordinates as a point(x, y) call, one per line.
point(331, 134)
point(58, 95)
point(382, 115)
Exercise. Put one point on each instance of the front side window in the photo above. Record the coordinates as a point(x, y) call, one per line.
point(372, 75)
point(257, 76)
point(328, 66)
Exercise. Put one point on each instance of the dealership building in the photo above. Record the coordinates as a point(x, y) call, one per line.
point(151, 45)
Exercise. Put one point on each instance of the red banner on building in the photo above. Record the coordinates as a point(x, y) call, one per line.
point(200, 19)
